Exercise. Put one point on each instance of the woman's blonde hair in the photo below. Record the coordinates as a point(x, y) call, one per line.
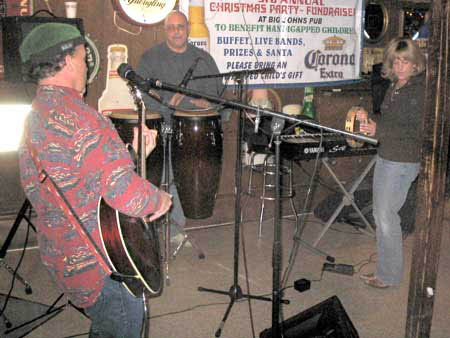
point(404, 48)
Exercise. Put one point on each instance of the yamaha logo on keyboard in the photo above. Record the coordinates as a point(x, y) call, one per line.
point(314, 150)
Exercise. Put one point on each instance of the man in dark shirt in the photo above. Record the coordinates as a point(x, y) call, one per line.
point(169, 62)
point(81, 152)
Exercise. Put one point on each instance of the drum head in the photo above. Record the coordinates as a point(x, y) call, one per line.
point(196, 114)
point(132, 115)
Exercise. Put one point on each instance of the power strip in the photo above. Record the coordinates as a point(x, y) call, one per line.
point(343, 269)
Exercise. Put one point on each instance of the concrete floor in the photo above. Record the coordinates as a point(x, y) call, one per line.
point(183, 311)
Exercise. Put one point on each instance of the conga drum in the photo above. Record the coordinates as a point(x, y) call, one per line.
point(197, 151)
point(124, 123)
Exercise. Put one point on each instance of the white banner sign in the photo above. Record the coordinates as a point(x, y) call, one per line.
point(306, 41)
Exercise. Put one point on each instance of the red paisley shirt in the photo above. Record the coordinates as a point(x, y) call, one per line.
point(82, 152)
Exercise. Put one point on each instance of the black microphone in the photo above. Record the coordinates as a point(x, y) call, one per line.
point(188, 74)
point(126, 72)
point(276, 125)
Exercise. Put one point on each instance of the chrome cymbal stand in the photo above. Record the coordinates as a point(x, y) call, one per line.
point(166, 131)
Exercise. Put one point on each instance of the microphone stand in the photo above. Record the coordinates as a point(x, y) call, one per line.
point(235, 291)
point(276, 248)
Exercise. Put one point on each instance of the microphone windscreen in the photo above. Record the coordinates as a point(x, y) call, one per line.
point(123, 69)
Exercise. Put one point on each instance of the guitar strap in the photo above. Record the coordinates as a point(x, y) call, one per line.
point(68, 210)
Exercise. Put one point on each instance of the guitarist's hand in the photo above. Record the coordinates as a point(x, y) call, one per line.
point(166, 202)
point(150, 139)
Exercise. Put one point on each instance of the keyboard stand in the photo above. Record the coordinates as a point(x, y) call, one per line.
point(347, 199)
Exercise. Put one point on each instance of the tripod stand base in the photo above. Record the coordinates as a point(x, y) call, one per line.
point(201, 254)
point(313, 249)
point(235, 293)
point(168, 254)
point(22, 317)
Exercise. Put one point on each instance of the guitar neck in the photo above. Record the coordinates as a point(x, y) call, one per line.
point(140, 108)
point(141, 147)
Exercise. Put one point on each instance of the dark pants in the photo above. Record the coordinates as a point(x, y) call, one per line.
point(116, 313)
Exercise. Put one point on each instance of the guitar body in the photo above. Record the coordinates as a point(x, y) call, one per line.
point(132, 248)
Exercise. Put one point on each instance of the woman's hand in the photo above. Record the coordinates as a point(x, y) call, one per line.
point(150, 136)
point(368, 128)
point(362, 116)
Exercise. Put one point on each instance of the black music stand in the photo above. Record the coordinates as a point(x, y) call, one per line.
point(24, 328)
point(26, 207)
point(52, 310)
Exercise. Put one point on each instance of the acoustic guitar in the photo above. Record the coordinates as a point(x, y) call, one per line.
point(132, 244)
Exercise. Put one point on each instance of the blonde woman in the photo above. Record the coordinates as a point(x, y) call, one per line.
point(398, 129)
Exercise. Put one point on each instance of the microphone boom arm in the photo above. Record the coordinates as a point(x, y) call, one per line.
point(237, 74)
point(126, 72)
point(157, 84)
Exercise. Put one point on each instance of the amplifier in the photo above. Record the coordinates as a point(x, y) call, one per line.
point(327, 319)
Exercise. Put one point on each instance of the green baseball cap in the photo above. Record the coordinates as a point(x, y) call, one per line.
point(49, 39)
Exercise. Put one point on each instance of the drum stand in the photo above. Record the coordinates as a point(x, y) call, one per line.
point(165, 184)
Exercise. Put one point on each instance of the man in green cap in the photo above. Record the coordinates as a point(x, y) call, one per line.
point(81, 152)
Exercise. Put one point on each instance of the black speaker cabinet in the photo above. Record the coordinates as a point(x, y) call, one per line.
point(327, 319)
point(14, 29)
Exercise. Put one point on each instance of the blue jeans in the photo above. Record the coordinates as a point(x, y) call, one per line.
point(391, 183)
point(116, 313)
